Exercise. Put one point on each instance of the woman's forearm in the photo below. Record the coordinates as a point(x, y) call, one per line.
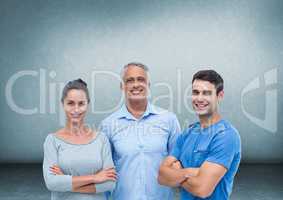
point(79, 181)
point(102, 176)
point(90, 188)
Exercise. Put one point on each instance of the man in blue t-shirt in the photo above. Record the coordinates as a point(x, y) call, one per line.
point(207, 155)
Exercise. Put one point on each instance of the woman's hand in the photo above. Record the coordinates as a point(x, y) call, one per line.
point(55, 169)
point(105, 175)
point(100, 177)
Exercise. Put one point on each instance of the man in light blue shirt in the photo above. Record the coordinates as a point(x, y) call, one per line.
point(141, 136)
point(207, 155)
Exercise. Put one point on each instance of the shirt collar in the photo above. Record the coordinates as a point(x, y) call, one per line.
point(216, 127)
point(124, 113)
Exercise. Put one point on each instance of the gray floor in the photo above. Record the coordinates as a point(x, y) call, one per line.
point(253, 182)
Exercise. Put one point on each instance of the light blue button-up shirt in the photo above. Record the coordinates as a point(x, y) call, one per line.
point(138, 148)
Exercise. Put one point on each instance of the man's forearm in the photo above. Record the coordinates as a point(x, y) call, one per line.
point(194, 185)
point(170, 177)
point(191, 172)
point(206, 180)
point(173, 177)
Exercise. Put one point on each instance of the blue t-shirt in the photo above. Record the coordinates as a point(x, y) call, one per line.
point(220, 143)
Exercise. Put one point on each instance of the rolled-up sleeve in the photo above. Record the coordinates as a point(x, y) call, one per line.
point(58, 183)
point(107, 163)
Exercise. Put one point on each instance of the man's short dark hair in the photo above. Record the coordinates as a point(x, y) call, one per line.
point(211, 76)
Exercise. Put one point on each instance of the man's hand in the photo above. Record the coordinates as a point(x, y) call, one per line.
point(171, 172)
point(176, 165)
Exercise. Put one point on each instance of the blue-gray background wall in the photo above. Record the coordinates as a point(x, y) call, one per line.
point(45, 43)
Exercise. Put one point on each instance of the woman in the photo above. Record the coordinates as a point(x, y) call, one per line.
point(77, 161)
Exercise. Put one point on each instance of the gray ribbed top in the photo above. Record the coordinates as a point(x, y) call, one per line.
point(76, 160)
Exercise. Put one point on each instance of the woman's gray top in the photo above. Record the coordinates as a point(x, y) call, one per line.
point(76, 160)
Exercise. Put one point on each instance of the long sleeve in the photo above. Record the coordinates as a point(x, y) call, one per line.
point(104, 128)
point(107, 163)
point(175, 131)
point(58, 183)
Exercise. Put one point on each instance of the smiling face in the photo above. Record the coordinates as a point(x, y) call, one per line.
point(204, 98)
point(135, 83)
point(75, 105)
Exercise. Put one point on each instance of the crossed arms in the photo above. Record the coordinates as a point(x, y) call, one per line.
point(56, 180)
point(200, 182)
point(87, 183)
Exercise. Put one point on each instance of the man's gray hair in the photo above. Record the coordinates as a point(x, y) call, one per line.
point(137, 64)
